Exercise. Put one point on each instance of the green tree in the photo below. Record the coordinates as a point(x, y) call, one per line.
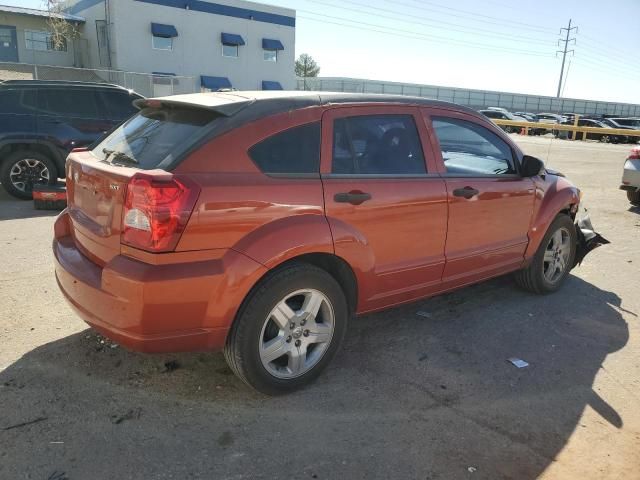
point(306, 67)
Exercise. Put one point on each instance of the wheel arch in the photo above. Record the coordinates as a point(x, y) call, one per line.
point(563, 198)
point(8, 147)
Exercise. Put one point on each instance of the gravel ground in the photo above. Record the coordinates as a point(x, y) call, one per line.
point(409, 396)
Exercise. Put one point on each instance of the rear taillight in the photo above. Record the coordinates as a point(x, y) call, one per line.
point(635, 154)
point(156, 211)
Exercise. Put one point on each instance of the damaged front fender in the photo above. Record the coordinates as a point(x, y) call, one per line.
point(587, 238)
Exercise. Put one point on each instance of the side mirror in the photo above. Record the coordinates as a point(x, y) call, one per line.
point(531, 166)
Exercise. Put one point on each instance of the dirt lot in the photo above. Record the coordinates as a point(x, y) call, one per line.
point(409, 396)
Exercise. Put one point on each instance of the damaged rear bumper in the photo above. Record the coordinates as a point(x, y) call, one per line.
point(587, 238)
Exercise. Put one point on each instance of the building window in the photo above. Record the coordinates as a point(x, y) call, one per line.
point(163, 36)
point(270, 48)
point(230, 51)
point(162, 43)
point(230, 44)
point(44, 41)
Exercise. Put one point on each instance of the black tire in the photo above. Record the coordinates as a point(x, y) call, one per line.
point(14, 158)
point(634, 197)
point(242, 347)
point(532, 278)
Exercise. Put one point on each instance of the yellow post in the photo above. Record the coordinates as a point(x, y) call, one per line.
point(575, 131)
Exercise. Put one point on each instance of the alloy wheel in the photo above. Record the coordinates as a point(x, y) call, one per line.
point(26, 173)
point(556, 256)
point(296, 333)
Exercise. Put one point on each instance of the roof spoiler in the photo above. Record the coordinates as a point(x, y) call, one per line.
point(223, 104)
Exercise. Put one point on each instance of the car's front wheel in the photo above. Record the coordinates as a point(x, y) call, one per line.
point(553, 260)
point(634, 197)
point(288, 329)
point(24, 169)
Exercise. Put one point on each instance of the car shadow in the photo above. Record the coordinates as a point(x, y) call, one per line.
point(420, 391)
point(634, 209)
point(13, 208)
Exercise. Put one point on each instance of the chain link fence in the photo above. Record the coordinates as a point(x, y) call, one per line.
point(145, 84)
point(476, 99)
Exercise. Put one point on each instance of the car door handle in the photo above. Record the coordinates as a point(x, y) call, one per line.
point(354, 197)
point(466, 192)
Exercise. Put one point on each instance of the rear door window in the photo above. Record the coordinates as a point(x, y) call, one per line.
point(294, 151)
point(471, 149)
point(71, 102)
point(377, 145)
point(155, 137)
point(119, 104)
point(18, 101)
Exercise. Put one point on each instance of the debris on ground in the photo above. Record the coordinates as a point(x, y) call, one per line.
point(132, 414)
point(471, 469)
point(171, 365)
point(24, 424)
point(518, 362)
point(423, 357)
point(56, 475)
point(424, 314)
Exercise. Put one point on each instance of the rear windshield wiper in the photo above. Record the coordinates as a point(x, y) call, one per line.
point(118, 156)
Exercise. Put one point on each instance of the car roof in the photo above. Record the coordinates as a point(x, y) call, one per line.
point(270, 102)
point(59, 83)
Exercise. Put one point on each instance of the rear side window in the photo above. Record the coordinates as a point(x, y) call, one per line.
point(155, 137)
point(119, 104)
point(296, 150)
point(377, 145)
point(470, 149)
point(70, 102)
point(18, 101)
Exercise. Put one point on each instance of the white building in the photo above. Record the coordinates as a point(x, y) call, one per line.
point(221, 44)
point(227, 44)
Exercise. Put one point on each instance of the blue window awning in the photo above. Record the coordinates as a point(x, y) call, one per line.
point(269, 85)
point(269, 44)
point(231, 39)
point(161, 30)
point(214, 83)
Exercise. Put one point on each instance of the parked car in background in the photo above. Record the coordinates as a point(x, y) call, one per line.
point(216, 221)
point(550, 118)
point(628, 122)
point(498, 109)
point(502, 114)
point(532, 117)
point(631, 176)
point(42, 121)
point(611, 123)
point(601, 137)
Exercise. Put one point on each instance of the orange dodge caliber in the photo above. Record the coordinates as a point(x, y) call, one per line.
point(259, 223)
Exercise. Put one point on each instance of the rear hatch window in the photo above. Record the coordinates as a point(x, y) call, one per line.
point(155, 137)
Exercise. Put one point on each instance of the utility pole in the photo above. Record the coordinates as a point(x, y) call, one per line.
point(564, 51)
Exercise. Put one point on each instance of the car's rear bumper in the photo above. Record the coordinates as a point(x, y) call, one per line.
point(631, 175)
point(172, 307)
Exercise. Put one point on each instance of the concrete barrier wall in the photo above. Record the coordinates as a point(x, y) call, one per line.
point(476, 99)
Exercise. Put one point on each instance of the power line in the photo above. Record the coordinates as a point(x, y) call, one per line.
point(419, 36)
point(609, 64)
point(430, 23)
point(467, 13)
point(607, 53)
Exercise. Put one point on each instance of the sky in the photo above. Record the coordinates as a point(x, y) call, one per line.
point(484, 44)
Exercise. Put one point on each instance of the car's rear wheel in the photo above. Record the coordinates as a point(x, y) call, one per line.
point(288, 330)
point(24, 169)
point(553, 260)
point(634, 197)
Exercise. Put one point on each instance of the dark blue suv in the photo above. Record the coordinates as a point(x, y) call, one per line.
point(42, 121)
